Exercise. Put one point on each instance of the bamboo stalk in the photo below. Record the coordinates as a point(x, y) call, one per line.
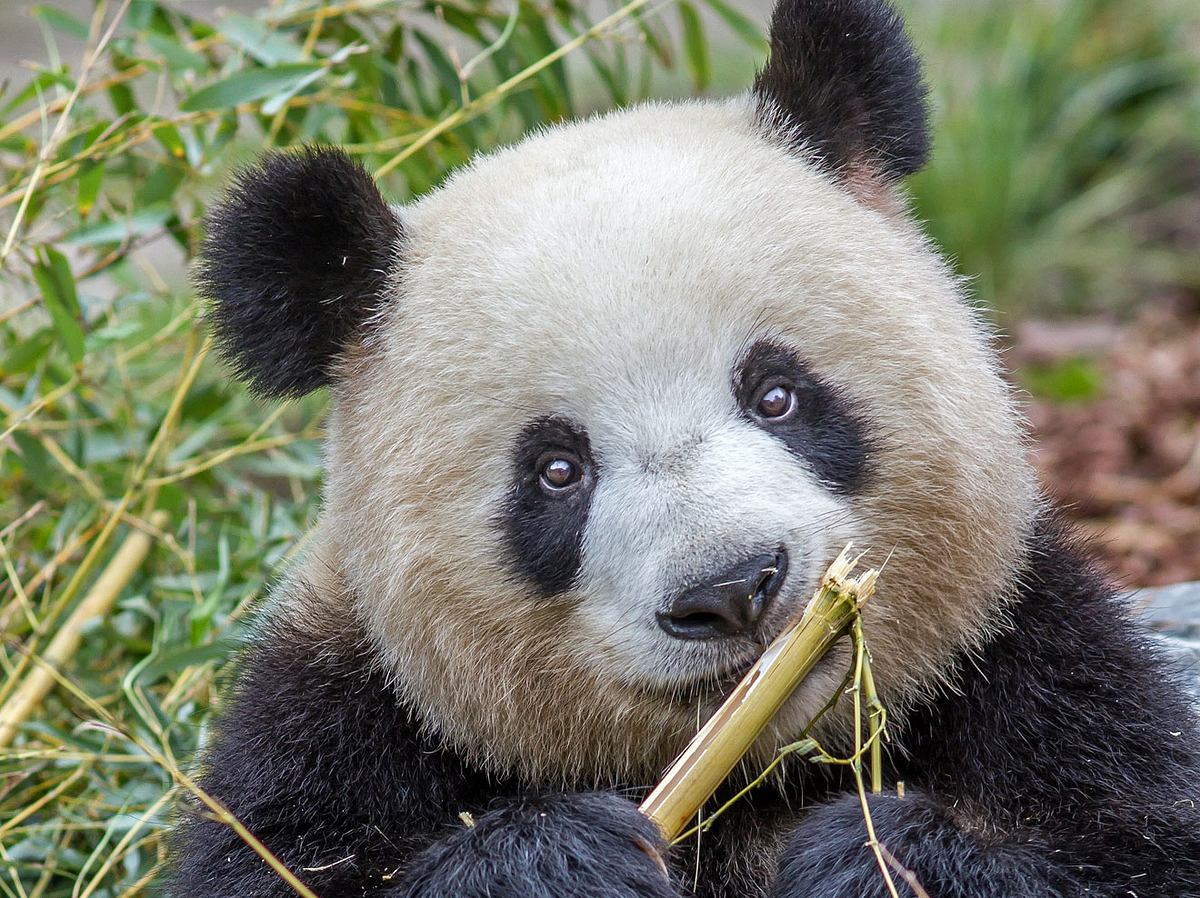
point(128, 558)
point(876, 715)
point(729, 733)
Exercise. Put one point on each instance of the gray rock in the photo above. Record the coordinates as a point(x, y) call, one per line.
point(1174, 613)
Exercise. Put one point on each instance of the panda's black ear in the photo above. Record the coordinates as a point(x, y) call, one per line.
point(844, 81)
point(298, 255)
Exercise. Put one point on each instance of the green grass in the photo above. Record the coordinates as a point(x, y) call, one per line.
point(1063, 152)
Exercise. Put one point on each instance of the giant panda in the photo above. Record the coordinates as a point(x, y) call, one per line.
point(604, 406)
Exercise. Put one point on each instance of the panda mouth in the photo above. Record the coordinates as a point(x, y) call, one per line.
point(712, 685)
point(720, 678)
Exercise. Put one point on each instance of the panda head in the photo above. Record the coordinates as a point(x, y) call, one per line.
point(608, 402)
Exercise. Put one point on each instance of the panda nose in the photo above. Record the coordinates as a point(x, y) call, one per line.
point(730, 604)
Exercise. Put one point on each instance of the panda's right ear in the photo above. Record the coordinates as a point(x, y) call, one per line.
point(299, 255)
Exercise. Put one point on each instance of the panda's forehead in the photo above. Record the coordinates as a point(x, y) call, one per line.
point(633, 255)
point(633, 202)
point(617, 270)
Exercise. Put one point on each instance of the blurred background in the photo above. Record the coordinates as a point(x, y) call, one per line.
point(1065, 184)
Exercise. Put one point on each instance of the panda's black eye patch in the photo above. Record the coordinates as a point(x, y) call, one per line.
point(780, 393)
point(554, 475)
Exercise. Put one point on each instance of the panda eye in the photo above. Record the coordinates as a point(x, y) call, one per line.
point(776, 402)
point(558, 472)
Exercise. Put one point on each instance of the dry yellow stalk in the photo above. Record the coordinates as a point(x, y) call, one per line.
point(729, 733)
point(66, 641)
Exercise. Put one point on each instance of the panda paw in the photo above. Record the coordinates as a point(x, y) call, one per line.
point(828, 855)
point(588, 844)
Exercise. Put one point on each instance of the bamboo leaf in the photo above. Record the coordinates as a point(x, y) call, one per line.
point(442, 67)
point(268, 45)
point(249, 85)
point(277, 102)
point(178, 57)
point(178, 658)
point(118, 230)
point(53, 275)
point(91, 175)
point(38, 465)
point(61, 21)
point(168, 136)
point(739, 24)
point(695, 47)
point(160, 186)
point(659, 45)
point(41, 85)
point(24, 354)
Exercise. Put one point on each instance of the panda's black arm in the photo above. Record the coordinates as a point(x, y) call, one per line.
point(317, 758)
point(1065, 766)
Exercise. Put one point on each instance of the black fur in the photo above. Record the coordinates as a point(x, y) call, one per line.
point(1064, 766)
point(545, 533)
point(845, 75)
point(827, 857)
point(317, 758)
point(588, 844)
point(297, 257)
point(825, 431)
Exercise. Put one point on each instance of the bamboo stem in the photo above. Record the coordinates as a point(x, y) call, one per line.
point(861, 664)
point(128, 558)
point(876, 715)
point(729, 733)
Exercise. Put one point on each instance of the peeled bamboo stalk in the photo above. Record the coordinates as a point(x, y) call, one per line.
point(727, 736)
point(38, 682)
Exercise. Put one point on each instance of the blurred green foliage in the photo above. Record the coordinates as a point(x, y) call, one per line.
point(1074, 379)
point(1065, 174)
point(1066, 167)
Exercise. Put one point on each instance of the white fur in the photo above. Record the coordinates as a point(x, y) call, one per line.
point(613, 271)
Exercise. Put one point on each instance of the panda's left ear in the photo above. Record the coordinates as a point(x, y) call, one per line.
point(844, 82)
point(298, 256)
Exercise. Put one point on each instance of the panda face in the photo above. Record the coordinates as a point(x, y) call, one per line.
point(607, 403)
point(627, 357)
point(674, 479)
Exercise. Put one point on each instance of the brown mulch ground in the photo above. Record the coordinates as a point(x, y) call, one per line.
point(1126, 458)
